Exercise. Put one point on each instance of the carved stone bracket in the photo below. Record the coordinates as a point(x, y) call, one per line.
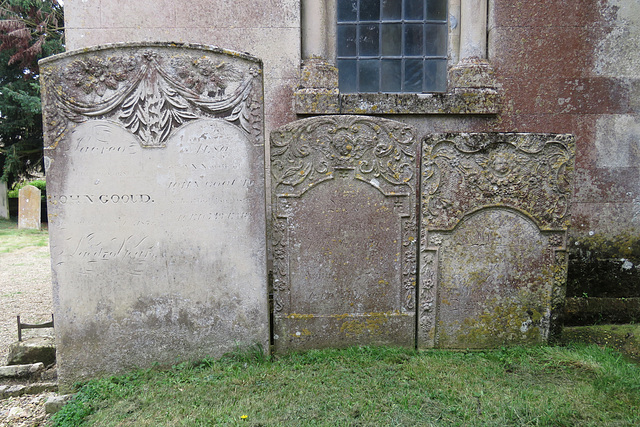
point(149, 94)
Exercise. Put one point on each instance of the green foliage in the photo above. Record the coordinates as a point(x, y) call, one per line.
point(29, 30)
point(41, 184)
point(552, 386)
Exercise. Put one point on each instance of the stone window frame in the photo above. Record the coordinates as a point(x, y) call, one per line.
point(471, 89)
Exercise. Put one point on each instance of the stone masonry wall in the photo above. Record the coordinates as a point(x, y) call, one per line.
point(574, 67)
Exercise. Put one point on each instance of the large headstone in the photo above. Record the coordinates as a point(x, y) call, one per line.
point(155, 179)
point(344, 232)
point(493, 257)
point(4, 201)
point(29, 206)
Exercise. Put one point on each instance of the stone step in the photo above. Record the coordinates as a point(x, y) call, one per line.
point(7, 391)
point(21, 371)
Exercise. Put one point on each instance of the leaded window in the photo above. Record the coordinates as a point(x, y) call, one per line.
point(392, 46)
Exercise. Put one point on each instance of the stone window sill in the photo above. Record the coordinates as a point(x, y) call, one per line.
point(482, 101)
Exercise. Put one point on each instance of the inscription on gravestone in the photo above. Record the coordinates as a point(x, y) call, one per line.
point(29, 206)
point(4, 201)
point(155, 161)
point(493, 243)
point(344, 232)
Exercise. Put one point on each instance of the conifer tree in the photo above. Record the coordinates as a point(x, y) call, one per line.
point(29, 30)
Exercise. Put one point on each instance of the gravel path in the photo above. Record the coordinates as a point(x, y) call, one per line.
point(25, 289)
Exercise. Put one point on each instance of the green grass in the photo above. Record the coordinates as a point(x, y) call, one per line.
point(12, 239)
point(578, 385)
point(624, 338)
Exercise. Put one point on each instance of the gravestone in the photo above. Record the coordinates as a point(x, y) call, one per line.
point(155, 173)
point(29, 206)
point(4, 201)
point(493, 259)
point(344, 232)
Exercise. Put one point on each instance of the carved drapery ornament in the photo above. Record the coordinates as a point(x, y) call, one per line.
point(151, 95)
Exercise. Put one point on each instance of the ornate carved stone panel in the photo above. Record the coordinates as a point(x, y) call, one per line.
point(155, 183)
point(494, 216)
point(344, 232)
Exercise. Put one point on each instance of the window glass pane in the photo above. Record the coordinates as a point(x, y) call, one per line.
point(369, 40)
point(413, 39)
point(413, 9)
point(436, 9)
point(413, 75)
point(347, 72)
point(436, 39)
point(347, 10)
point(368, 74)
point(400, 51)
point(391, 39)
point(346, 40)
point(369, 10)
point(391, 9)
point(391, 75)
point(435, 75)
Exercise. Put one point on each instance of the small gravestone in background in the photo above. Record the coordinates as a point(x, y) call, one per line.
point(344, 232)
point(29, 206)
point(4, 201)
point(493, 246)
point(155, 179)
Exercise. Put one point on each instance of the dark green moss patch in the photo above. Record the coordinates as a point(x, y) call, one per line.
point(604, 266)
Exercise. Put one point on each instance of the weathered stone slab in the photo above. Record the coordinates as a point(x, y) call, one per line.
point(155, 167)
point(32, 350)
point(344, 232)
point(29, 206)
point(4, 201)
point(19, 371)
point(493, 241)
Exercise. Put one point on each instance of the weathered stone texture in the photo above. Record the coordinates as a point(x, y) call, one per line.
point(494, 216)
point(32, 350)
point(344, 232)
point(572, 66)
point(155, 159)
point(4, 201)
point(29, 205)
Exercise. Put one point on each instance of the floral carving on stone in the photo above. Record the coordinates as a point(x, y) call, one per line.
point(381, 152)
point(528, 172)
point(503, 178)
point(310, 153)
point(152, 90)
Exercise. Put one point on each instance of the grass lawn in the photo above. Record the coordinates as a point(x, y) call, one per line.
point(578, 385)
point(12, 239)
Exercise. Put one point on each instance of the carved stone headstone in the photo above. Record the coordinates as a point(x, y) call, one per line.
point(29, 208)
point(155, 173)
point(4, 201)
point(493, 256)
point(344, 232)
